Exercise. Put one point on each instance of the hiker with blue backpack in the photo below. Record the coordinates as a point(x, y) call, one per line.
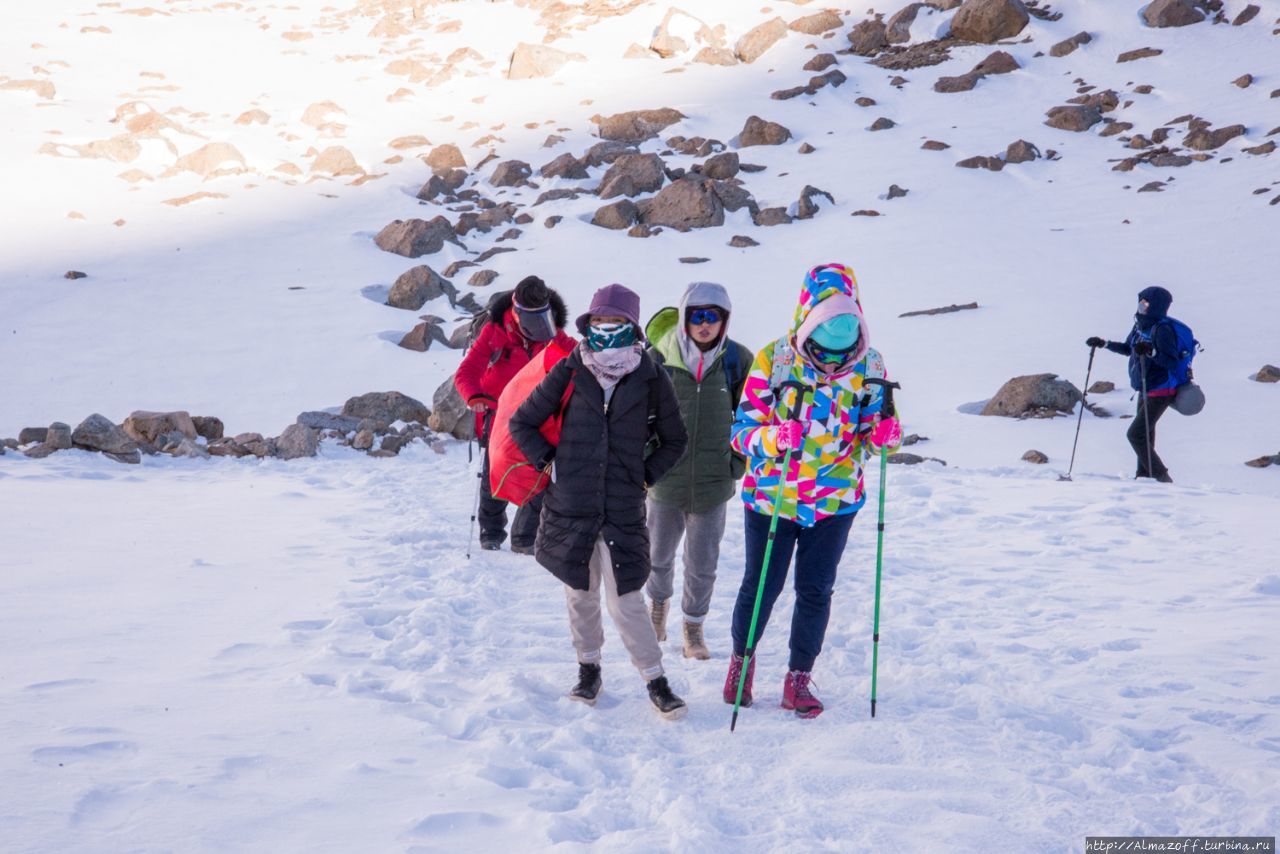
point(1160, 350)
point(707, 368)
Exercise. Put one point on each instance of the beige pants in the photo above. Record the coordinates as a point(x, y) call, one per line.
point(629, 613)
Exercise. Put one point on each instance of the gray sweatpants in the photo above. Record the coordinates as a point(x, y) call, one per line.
point(702, 533)
point(630, 617)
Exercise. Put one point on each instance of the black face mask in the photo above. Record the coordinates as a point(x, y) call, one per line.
point(536, 324)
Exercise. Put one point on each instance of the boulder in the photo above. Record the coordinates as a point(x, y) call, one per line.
point(898, 30)
point(637, 125)
point(741, 241)
point(1021, 152)
point(296, 441)
point(537, 60)
point(771, 216)
point(989, 21)
point(1204, 139)
point(511, 173)
point(1033, 395)
point(188, 448)
point(98, 433)
point(446, 158)
point(1068, 46)
point(444, 184)
point(1171, 13)
point(896, 192)
point(1034, 456)
point(1267, 374)
point(684, 204)
point(129, 458)
point(416, 237)
point(716, 56)
point(757, 131)
point(1076, 118)
point(619, 215)
point(418, 286)
point(934, 145)
point(606, 152)
point(632, 175)
point(821, 62)
point(882, 123)
point(817, 23)
point(1246, 15)
point(808, 205)
point(483, 278)
point(75, 274)
point(1140, 53)
point(1102, 387)
point(565, 166)
point(669, 37)
point(328, 421)
point(148, 427)
point(757, 40)
point(32, 435)
point(998, 62)
point(449, 412)
point(58, 436)
point(734, 196)
point(40, 450)
point(420, 337)
point(385, 407)
point(994, 164)
point(722, 166)
point(868, 38)
point(363, 440)
point(209, 427)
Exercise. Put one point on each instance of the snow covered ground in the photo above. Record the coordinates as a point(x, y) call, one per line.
point(240, 655)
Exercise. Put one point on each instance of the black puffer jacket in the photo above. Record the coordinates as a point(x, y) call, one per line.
point(601, 467)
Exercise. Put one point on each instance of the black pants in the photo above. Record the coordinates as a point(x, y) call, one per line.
point(1153, 408)
point(493, 515)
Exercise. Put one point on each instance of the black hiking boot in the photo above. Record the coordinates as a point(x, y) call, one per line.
point(589, 684)
point(490, 544)
point(522, 549)
point(668, 704)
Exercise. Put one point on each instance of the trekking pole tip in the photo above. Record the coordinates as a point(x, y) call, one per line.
point(733, 722)
point(873, 708)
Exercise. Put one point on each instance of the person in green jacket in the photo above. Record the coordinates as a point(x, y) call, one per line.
point(707, 369)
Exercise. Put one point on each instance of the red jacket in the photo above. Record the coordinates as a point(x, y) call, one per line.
point(499, 352)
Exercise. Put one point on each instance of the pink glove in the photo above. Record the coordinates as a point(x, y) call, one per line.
point(790, 435)
point(886, 434)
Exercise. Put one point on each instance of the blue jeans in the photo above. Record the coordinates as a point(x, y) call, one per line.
point(818, 551)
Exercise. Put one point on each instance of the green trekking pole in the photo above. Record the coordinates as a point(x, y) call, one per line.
point(796, 409)
point(887, 411)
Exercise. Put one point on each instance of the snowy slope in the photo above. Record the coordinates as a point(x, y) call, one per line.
point(241, 655)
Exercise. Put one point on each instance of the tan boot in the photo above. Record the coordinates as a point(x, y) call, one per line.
point(658, 613)
point(694, 646)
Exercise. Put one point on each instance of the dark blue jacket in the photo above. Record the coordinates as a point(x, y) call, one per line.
point(1147, 327)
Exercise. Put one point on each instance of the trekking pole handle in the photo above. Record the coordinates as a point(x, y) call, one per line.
point(796, 409)
point(886, 409)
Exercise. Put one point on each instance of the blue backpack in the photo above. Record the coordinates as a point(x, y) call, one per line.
point(1185, 349)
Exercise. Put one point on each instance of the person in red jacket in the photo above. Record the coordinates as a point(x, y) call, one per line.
point(521, 324)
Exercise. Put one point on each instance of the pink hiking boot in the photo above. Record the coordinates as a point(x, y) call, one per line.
point(798, 697)
point(731, 681)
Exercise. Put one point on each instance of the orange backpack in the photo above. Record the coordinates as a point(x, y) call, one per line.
point(511, 476)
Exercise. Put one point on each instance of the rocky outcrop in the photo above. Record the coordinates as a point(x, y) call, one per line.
point(414, 238)
point(632, 175)
point(989, 21)
point(149, 427)
point(1171, 13)
point(98, 433)
point(637, 125)
point(868, 38)
point(998, 62)
point(417, 286)
point(758, 131)
point(1034, 395)
point(449, 412)
point(1076, 118)
point(385, 407)
point(297, 440)
point(619, 215)
point(690, 202)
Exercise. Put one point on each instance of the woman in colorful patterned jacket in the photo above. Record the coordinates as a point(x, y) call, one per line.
point(824, 362)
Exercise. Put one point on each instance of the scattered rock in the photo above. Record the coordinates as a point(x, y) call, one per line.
point(444, 158)
point(418, 286)
point(1204, 139)
point(788, 94)
point(882, 123)
point(1021, 152)
point(511, 173)
point(1171, 13)
point(75, 274)
point(619, 215)
point(327, 421)
point(449, 413)
point(482, 278)
point(296, 441)
point(820, 62)
point(898, 29)
point(771, 216)
point(40, 451)
point(637, 125)
point(1034, 395)
point(1140, 53)
point(998, 62)
point(757, 131)
point(1267, 374)
point(385, 407)
point(129, 458)
point(1246, 15)
point(416, 237)
point(1265, 148)
point(58, 436)
point(31, 435)
point(1102, 387)
point(817, 24)
point(552, 221)
point(741, 241)
point(757, 40)
point(994, 164)
point(632, 175)
point(734, 197)
point(868, 38)
point(935, 145)
point(865, 213)
point(641, 230)
point(865, 102)
point(903, 458)
point(722, 166)
point(693, 259)
point(148, 427)
point(1244, 81)
point(1068, 46)
point(716, 56)
point(687, 203)
point(946, 309)
point(1034, 456)
point(1264, 461)
point(896, 192)
point(1074, 118)
point(565, 166)
point(1114, 128)
point(443, 184)
point(806, 148)
point(98, 433)
point(808, 205)
point(989, 21)
point(536, 60)
point(363, 440)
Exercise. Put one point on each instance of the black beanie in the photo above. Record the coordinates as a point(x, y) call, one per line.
point(532, 292)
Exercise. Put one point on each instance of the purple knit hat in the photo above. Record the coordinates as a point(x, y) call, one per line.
point(613, 300)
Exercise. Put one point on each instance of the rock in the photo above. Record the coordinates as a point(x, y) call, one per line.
point(511, 173)
point(1152, 187)
point(757, 131)
point(946, 309)
point(806, 148)
point(606, 152)
point(771, 216)
point(1263, 461)
point(865, 102)
point(632, 175)
point(722, 166)
point(817, 24)
point(450, 414)
point(716, 56)
point(1114, 128)
point(788, 94)
point(1140, 53)
point(898, 30)
point(148, 427)
point(188, 448)
point(75, 274)
point(129, 458)
point(989, 21)
point(998, 62)
point(734, 197)
point(552, 221)
point(328, 421)
point(416, 237)
point(419, 338)
point(1265, 148)
point(808, 205)
point(757, 40)
point(882, 124)
point(741, 241)
point(687, 203)
point(1246, 15)
point(1102, 387)
point(446, 158)
point(58, 436)
point(1267, 374)
point(619, 215)
point(536, 60)
point(363, 440)
point(637, 125)
point(565, 166)
point(1068, 46)
point(418, 286)
point(31, 435)
point(1171, 13)
point(1073, 118)
point(868, 38)
point(98, 433)
point(444, 184)
point(296, 441)
point(1033, 395)
point(1021, 152)
point(1204, 139)
point(394, 444)
point(934, 145)
point(994, 164)
point(834, 78)
point(482, 278)
point(820, 62)
point(668, 39)
point(386, 407)
point(208, 427)
point(1034, 456)
point(896, 192)
point(693, 259)
point(11, 444)
point(40, 450)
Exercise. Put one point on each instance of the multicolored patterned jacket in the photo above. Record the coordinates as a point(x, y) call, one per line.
point(839, 411)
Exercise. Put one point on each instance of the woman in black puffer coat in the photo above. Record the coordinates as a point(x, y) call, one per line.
point(621, 432)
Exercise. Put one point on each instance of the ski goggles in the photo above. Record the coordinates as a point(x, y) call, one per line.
point(610, 336)
point(826, 356)
point(536, 324)
point(705, 316)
